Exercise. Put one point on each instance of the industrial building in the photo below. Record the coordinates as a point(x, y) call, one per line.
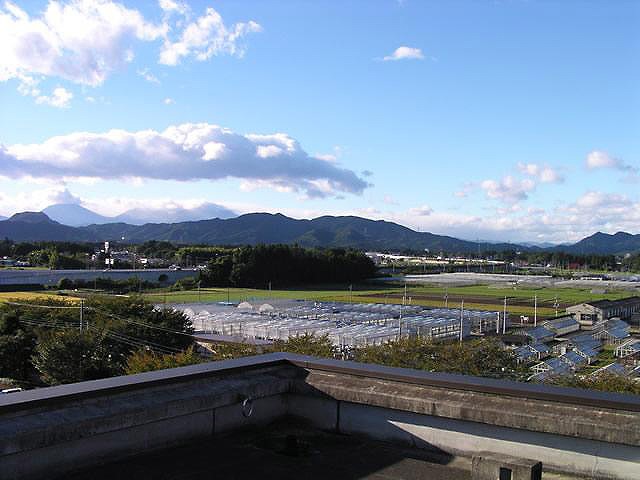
point(589, 313)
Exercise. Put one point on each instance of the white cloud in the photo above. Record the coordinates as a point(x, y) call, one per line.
point(168, 101)
point(543, 173)
point(59, 98)
point(405, 53)
point(509, 189)
point(421, 211)
point(171, 6)
point(206, 37)
point(84, 41)
point(35, 200)
point(184, 153)
point(598, 159)
point(148, 76)
point(81, 40)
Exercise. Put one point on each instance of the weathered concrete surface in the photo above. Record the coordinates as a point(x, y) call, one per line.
point(40, 442)
point(488, 466)
point(586, 458)
point(519, 413)
point(55, 430)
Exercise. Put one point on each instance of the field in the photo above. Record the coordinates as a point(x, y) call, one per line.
point(520, 300)
point(28, 296)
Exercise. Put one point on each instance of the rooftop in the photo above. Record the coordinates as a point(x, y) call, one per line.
point(242, 417)
point(286, 450)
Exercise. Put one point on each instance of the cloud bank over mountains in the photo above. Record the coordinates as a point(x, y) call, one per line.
point(182, 152)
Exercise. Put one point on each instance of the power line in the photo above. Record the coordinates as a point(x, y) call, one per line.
point(143, 324)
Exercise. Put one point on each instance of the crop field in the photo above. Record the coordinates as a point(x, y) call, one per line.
point(520, 300)
point(28, 296)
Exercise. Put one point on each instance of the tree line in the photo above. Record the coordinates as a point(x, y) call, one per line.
point(285, 265)
point(55, 341)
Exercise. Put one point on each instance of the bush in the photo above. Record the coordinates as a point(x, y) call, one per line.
point(147, 361)
point(65, 284)
point(307, 344)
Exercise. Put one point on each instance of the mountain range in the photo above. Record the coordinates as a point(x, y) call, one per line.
point(75, 215)
point(254, 228)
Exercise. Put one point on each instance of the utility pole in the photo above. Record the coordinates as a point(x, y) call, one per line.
point(535, 311)
point(446, 297)
point(199, 281)
point(498, 324)
point(81, 312)
point(504, 317)
point(461, 318)
point(556, 305)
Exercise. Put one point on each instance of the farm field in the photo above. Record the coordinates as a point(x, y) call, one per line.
point(27, 296)
point(520, 301)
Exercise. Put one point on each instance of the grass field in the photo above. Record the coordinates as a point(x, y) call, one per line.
point(520, 301)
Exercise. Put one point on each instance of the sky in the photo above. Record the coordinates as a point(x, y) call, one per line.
point(506, 120)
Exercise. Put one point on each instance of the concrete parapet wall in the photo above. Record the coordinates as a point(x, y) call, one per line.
point(47, 432)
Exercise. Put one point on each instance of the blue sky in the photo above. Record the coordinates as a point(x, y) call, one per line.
point(510, 120)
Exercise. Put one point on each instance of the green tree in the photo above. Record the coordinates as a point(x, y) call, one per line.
point(54, 259)
point(17, 345)
point(69, 356)
point(137, 319)
point(607, 382)
point(485, 357)
point(146, 360)
point(307, 344)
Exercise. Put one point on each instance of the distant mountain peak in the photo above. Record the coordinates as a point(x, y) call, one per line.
point(30, 217)
point(74, 215)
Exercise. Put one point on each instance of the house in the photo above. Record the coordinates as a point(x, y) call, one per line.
point(562, 325)
point(583, 343)
point(589, 313)
point(530, 353)
point(538, 334)
point(553, 367)
point(574, 360)
point(612, 332)
point(541, 350)
point(525, 354)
